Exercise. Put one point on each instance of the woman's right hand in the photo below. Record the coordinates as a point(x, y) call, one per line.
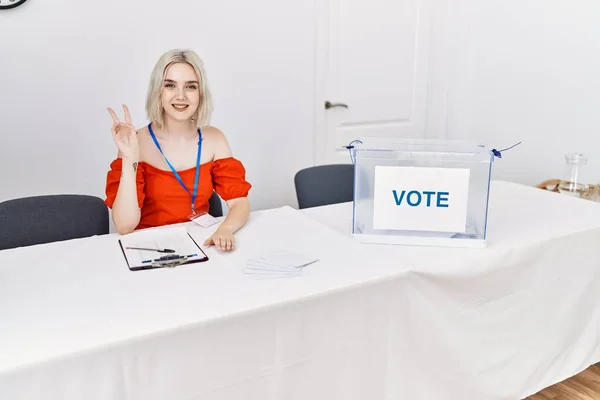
point(125, 135)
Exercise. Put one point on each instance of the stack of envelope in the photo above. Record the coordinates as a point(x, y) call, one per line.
point(278, 264)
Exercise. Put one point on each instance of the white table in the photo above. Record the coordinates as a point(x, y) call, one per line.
point(365, 322)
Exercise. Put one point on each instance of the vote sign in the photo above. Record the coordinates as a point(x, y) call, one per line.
point(421, 198)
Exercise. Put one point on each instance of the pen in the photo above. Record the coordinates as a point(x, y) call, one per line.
point(167, 258)
point(158, 250)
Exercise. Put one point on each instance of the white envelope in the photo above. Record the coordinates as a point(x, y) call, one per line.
point(285, 258)
point(277, 264)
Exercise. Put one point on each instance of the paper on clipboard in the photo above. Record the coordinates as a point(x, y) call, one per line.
point(155, 248)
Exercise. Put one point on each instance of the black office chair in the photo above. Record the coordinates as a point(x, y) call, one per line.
point(215, 208)
point(324, 184)
point(42, 219)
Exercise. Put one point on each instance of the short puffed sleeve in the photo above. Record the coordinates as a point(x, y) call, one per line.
point(229, 178)
point(113, 178)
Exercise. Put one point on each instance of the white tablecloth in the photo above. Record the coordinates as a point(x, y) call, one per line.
point(365, 322)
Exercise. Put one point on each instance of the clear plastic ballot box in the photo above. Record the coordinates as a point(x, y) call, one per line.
point(421, 192)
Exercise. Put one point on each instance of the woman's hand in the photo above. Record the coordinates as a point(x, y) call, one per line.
point(125, 135)
point(223, 239)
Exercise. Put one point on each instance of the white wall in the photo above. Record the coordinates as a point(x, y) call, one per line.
point(511, 70)
point(501, 72)
point(63, 62)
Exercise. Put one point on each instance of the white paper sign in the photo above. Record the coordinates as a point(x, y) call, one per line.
point(421, 198)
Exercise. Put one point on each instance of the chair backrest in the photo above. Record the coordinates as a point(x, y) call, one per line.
point(42, 219)
point(324, 184)
point(215, 208)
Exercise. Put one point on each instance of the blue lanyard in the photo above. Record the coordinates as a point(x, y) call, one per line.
point(175, 172)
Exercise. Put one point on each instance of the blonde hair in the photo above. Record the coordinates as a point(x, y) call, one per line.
point(154, 109)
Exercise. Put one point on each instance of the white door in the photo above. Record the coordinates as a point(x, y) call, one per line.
point(372, 70)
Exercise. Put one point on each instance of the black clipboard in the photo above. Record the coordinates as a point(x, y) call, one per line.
point(166, 261)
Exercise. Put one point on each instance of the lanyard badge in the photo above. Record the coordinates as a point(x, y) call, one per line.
point(193, 215)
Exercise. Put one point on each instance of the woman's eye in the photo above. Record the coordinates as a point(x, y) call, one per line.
point(193, 87)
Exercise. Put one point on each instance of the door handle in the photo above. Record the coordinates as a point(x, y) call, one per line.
point(329, 105)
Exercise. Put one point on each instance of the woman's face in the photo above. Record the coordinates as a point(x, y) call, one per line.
point(180, 94)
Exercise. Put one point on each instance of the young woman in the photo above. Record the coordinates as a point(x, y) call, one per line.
point(166, 172)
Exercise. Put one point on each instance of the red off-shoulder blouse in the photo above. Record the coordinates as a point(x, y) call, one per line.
point(162, 199)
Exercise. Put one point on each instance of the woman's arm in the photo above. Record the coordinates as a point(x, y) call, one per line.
point(239, 208)
point(125, 211)
point(239, 211)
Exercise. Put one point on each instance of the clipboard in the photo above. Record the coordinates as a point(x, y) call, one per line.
point(160, 248)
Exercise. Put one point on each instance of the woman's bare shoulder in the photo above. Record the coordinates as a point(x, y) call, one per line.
point(213, 133)
point(143, 132)
point(216, 140)
point(144, 141)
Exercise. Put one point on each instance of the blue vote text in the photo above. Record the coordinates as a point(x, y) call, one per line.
point(425, 198)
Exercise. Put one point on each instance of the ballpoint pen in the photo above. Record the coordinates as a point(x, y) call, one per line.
point(157, 250)
point(170, 258)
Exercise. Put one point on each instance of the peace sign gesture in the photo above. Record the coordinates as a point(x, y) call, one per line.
point(125, 135)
